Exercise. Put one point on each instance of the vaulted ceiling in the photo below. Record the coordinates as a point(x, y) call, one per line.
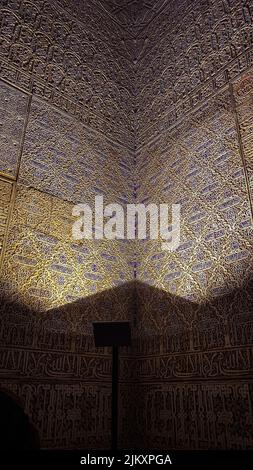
point(134, 13)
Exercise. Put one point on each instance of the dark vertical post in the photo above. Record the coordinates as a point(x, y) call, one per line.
point(113, 334)
point(115, 378)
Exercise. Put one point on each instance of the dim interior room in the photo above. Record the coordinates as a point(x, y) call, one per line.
point(138, 101)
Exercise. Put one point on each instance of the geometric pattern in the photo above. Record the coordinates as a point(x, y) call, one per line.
point(134, 15)
point(63, 158)
point(69, 61)
point(193, 134)
point(5, 204)
point(203, 171)
point(45, 267)
point(243, 90)
point(180, 67)
point(13, 111)
point(74, 408)
point(208, 413)
point(172, 80)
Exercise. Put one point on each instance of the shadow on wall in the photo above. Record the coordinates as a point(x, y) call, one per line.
point(49, 360)
point(16, 431)
point(184, 382)
point(193, 371)
point(160, 312)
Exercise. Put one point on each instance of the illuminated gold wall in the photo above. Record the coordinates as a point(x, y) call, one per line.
point(199, 165)
point(148, 103)
point(66, 136)
point(194, 114)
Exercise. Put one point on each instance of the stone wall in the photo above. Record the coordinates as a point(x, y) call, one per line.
point(66, 133)
point(194, 117)
point(150, 104)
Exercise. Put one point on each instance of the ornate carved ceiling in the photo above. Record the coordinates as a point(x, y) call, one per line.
point(134, 14)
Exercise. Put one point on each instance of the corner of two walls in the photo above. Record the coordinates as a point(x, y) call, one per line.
point(66, 105)
point(195, 115)
point(65, 112)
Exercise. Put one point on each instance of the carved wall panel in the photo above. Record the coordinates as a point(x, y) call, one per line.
point(45, 267)
point(51, 290)
point(71, 62)
point(107, 78)
point(194, 321)
point(243, 90)
point(134, 15)
point(192, 416)
point(64, 158)
point(6, 188)
point(220, 363)
point(13, 113)
point(198, 165)
point(206, 45)
point(65, 415)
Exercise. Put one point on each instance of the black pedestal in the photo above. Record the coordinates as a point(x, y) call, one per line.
point(113, 334)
